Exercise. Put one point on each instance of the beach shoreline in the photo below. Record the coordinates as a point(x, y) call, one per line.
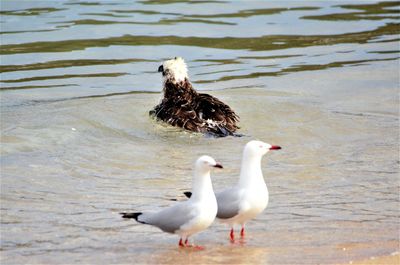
point(381, 260)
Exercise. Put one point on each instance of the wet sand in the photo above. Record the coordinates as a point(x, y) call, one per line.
point(383, 260)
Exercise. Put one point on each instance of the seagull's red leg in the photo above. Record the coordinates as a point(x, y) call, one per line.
point(180, 243)
point(193, 246)
point(187, 243)
point(242, 231)
point(232, 235)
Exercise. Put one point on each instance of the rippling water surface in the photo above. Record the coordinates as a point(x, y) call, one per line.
point(319, 78)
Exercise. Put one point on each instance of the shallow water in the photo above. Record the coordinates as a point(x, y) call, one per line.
point(77, 146)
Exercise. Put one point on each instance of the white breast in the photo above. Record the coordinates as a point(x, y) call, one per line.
point(207, 211)
point(253, 203)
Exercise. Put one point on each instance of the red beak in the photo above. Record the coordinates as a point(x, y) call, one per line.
point(275, 147)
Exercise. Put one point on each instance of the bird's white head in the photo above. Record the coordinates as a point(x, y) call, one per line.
point(205, 163)
point(174, 70)
point(258, 148)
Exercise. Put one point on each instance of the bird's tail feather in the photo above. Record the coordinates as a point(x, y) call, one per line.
point(132, 216)
point(188, 194)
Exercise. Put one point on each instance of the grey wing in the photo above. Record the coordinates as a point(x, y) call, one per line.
point(228, 203)
point(173, 218)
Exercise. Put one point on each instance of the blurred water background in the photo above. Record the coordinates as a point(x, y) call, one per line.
point(319, 78)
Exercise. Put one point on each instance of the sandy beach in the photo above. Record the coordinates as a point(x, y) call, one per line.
point(382, 260)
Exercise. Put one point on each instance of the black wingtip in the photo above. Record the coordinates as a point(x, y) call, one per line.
point(131, 215)
point(188, 194)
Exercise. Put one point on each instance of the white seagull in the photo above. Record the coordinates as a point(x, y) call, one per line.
point(249, 197)
point(191, 216)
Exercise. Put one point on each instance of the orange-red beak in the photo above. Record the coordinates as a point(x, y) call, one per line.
point(275, 147)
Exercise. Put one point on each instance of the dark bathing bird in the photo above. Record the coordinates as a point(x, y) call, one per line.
point(191, 216)
point(249, 197)
point(184, 107)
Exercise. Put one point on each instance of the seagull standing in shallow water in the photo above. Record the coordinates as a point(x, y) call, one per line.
point(249, 197)
point(191, 216)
